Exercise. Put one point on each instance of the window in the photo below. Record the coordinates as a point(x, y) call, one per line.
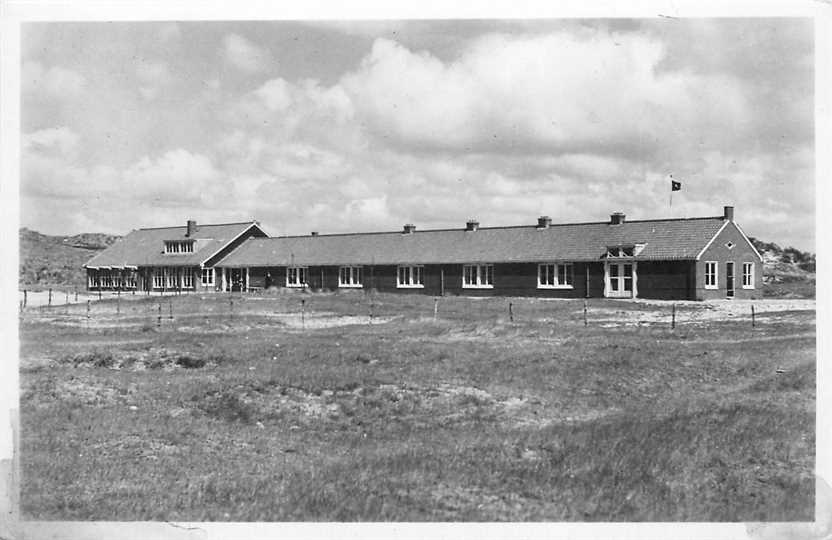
point(478, 276)
point(747, 275)
point(187, 278)
point(171, 277)
point(411, 276)
point(158, 277)
point(621, 251)
point(710, 275)
point(130, 279)
point(179, 246)
point(554, 276)
point(207, 276)
point(349, 276)
point(296, 276)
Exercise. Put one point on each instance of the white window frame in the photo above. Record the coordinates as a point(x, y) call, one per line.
point(414, 276)
point(177, 247)
point(299, 278)
point(350, 277)
point(158, 278)
point(480, 274)
point(750, 275)
point(187, 278)
point(207, 276)
point(130, 279)
point(170, 278)
point(544, 269)
point(715, 274)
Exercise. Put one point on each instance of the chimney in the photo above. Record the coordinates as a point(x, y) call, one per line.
point(472, 225)
point(314, 233)
point(543, 222)
point(408, 228)
point(191, 228)
point(616, 218)
point(728, 213)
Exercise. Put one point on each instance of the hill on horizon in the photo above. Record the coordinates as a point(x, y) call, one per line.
point(57, 261)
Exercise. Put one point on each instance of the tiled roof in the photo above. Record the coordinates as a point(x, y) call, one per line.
point(665, 239)
point(145, 247)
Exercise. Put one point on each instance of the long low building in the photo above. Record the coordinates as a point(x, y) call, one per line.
point(691, 258)
point(694, 258)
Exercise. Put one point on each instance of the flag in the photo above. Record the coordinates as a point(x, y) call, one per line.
point(674, 185)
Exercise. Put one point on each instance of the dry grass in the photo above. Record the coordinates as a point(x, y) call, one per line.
point(231, 414)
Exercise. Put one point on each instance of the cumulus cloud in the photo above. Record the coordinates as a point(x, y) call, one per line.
point(243, 54)
point(554, 93)
point(570, 120)
point(178, 176)
point(55, 82)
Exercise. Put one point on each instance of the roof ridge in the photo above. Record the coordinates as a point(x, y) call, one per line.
point(253, 222)
point(495, 227)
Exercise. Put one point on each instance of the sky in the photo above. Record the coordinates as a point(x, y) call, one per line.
point(338, 126)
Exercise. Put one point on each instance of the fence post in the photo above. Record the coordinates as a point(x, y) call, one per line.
point(66, 304)
point(511, 312)
point(159, 317)
point(76, 296)
point(435, 307)
point(303, 313)
point(673, 318)
point(25, 297)
point(752, 316)
point(99, 292)
point(170, 309)
point(118, 302)
point(88, 309)
point(231, 306)
point(585, 322)
point(50, 298)
point(370, 321)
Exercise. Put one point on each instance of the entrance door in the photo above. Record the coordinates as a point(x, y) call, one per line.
point(236, 280)
point(729, 279)
point(620, 283)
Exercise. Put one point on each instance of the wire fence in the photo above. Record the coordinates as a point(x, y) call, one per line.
point(306, 310)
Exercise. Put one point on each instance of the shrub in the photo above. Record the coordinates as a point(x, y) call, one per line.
point(190, 362)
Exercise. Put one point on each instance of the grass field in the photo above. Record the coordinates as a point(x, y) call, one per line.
point(244, 408)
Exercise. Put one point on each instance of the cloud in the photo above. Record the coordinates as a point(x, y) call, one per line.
point(557, 93)
point(54, 83)
point(244, 55)
point(176, 177)
point(275, 95)
point(153, 78)
point(60, 140)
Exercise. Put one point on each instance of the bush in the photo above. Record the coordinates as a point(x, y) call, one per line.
point(189, 362)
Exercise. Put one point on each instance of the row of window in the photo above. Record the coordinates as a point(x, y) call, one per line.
point(179, 246)
point(474, 276)
point(173, 278)
point(712, 274)
point(112, 279)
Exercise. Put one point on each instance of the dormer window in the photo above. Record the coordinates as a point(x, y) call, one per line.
point(624, 251)
point(617, 252)
point(175, 247)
